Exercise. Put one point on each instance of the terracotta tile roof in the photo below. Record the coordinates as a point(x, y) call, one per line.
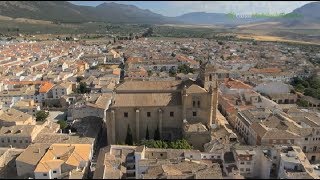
point(280, 134)
point(149, 86)
point(265, 70)
point(235, 84)
point(58, 154)
point(25, 82)
point(147, 99)
point(45, 87)
point(186, 59)
point(135, 59)
point(116, 71)
point(195, 89)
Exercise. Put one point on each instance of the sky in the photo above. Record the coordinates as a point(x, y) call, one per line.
point(176, 8)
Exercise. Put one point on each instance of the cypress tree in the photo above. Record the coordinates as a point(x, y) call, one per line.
point(147, 134)
point(157, 134)
point(129, 139)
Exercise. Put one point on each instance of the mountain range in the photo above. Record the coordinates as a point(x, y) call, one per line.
point(66, 12)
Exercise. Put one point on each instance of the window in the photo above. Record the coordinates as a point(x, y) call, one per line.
point(306, 139)
point(14, 141)
point(58, 157)
point(44, 174)
point(161, 154)
point(171, 114)
point(241, 162)
point(148, 114)
point(125, 114)
point(218, 157)
point(26, 141)
point(198, 103)
point(54, 172)
point(194, 103)
point(247, 169)
point(248, 163)
point(2, 140)
point(8, 140)
point(191, 156)
point(304, 148)
point(274, 141)
point(241, 169)
point(204, 156)
point(20, 141)
point(194, 113)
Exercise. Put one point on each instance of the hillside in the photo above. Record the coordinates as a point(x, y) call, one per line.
point(46, 10)
point(113, 12)
point(65, 12)
point(305, 17)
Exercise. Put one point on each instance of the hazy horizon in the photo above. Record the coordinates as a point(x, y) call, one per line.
point(177, 8)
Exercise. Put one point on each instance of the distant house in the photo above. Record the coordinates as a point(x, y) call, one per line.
point(59, 90)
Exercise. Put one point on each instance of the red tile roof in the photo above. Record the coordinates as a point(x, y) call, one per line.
point(45, 87)
point(266, 70)
point(235, 84)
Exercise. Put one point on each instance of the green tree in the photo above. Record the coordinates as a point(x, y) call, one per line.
point(180, 144)
point(83, 88)
point(129, 138)
point(220, 43)
point(185, 69)
point(314, 82)
point(161, 144)
point(300, 88)
point(41, 115)
point(156, 134)
point(63, 124)
point(310, 92)
point(79, 78)
point(147, 134)
point(172, 72)
point(302, 103)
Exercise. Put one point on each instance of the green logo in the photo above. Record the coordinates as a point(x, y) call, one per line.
point(231, 15)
